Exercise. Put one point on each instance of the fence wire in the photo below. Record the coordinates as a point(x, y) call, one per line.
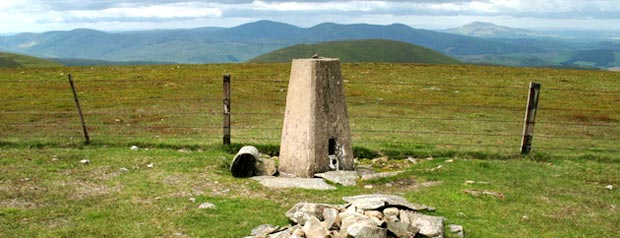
point(431, 116)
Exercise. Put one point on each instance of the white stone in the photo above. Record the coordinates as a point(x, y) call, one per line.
point(412, 160)
point(430, 226)
point(206, 205)
point(303, 211)
point(314, 229)
point(457, 230)
point(363, 230)
point(84, 161)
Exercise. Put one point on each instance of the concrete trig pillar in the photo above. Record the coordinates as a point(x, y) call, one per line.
point(316, 136)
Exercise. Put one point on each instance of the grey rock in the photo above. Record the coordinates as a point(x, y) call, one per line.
point(430, 226)
point(380, 175)
point(377, 201)
point(298, 233)
point(338, 234)
point(391, 211)
point(378, 222)
point(404, 216)
point(265, 167)
point(457, 230)
point(281, 234)
point(314, 229)
point(363, 230)
point(373, 213)
point(304, 183)
point(330, 216)
point(401, 229)
point(353, 209)
point(302, 212)
point(349, 219)
point(363, 170)
point(264, 229)
point(343, 177)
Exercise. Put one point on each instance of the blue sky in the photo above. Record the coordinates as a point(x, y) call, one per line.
point(122, 15)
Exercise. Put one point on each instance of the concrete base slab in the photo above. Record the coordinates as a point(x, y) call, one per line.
point(380, 175)
point(303, 183)
point(343, 177)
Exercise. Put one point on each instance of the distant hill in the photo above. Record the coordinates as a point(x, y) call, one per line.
point(490, 30)
point(94, 62)
point(236, 44)
point(17, 60)
point(601, 58)
point(360, 51)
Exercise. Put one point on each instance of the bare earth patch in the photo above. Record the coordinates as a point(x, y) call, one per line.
point(85, 189)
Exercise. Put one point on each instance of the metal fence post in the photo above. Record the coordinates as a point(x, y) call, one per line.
point(226, 127)
point(77, 104)
point(530, 118)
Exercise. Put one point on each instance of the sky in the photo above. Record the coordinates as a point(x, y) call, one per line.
point(124, 15)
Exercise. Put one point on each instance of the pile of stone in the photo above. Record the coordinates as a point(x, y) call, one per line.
point(364, 216)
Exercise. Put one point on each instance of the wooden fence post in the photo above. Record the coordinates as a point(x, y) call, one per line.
point(530, 118)
point(226, 127)
point(77, 104)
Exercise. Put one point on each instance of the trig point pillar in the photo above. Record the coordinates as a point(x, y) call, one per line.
point(316, 136)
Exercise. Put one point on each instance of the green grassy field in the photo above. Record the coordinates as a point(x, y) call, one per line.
point(470, 114)
point(425, 109)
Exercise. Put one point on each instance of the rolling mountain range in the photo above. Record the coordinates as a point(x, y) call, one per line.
point(244, 42)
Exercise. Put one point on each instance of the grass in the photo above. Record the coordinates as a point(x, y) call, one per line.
point(396, 110)
point(422, 109)
point(48, 193)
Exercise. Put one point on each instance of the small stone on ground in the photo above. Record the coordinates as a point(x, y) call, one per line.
point(457, 230)
point(207, 205)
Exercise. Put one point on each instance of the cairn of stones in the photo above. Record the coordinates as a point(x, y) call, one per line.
point(363, 216)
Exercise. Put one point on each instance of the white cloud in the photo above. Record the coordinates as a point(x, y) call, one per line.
point(166, 11)
point(41, 15)
point(345, 6)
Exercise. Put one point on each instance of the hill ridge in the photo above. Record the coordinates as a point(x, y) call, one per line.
point(19, 60)
point(370, 50)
